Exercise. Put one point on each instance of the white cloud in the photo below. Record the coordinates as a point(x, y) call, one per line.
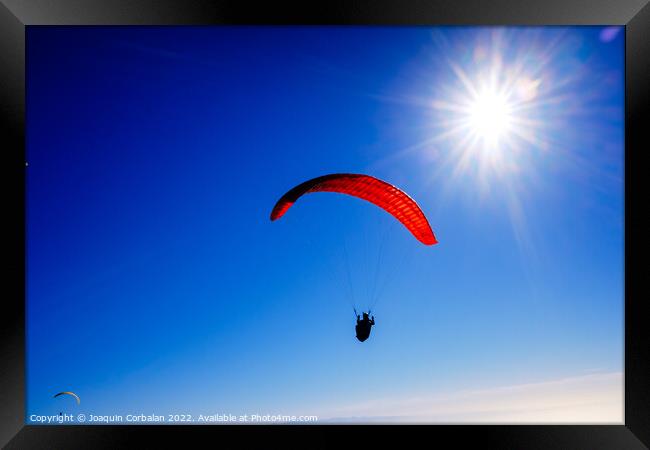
point(587, 399)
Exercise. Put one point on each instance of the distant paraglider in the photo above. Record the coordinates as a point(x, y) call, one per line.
point(76, 397)
point(380, 193)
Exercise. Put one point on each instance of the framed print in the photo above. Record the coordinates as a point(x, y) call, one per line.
point(303, 221)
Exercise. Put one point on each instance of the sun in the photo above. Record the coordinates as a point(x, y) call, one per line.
point(485, 118)
point(490, 118)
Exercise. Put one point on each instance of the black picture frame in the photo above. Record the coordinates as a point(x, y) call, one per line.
point(15, 15)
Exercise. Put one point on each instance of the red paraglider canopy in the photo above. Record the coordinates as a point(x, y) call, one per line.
point(391, 199)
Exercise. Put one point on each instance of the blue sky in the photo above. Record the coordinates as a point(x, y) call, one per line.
point(157, 284)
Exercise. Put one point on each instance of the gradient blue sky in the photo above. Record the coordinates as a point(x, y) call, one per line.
point(157, 284)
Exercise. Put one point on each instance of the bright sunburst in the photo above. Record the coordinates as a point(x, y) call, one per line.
point(492, 104)
point(490, 117)
point(486, 116)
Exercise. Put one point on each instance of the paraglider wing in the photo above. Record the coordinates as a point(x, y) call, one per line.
point(69, 393)
point(391, 199)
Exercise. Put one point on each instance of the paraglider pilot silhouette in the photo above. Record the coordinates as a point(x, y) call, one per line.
point(363, 326)
point(384, 195)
